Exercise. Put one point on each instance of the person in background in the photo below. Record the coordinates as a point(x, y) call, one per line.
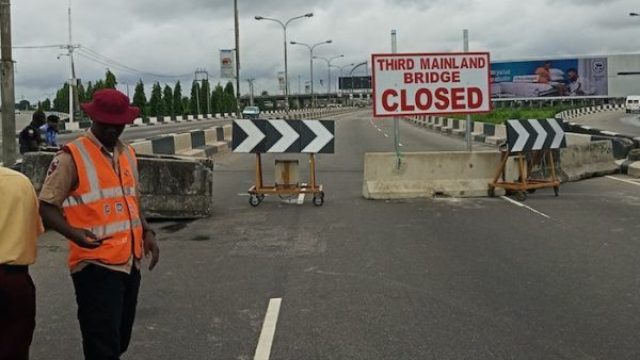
point(20, 226)
point(30, 138)
point(49, 130)
point(575, 86)
point(90, 196)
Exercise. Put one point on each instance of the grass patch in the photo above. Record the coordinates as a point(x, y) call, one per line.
point(499, 116)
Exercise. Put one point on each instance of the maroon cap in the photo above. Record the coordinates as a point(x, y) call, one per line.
point(110, 106)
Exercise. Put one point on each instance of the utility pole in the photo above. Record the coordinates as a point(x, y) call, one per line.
point(74, 100)
point(235, 13)
point(7, 87)
point(250, 81)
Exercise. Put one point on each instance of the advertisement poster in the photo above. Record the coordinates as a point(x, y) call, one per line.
point(549, 78)
point(281, 80)
point(227, 64)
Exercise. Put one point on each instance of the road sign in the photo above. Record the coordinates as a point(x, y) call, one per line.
point(528, 135)
point(283, 136)
point(430, 84)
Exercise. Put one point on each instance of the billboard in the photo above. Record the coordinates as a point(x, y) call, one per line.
point(578, 77)
point(354, 83)
point(227, 64)
point(430, 84)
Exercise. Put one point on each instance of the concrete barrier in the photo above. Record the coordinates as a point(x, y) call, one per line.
point(587, 160)
point(143, 147)
point(429, 174)
point(169, 187)
point(182, 142)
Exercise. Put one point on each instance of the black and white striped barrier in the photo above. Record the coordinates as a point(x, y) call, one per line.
point(194, 143)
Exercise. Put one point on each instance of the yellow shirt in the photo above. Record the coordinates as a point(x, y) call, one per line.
point(20, 222)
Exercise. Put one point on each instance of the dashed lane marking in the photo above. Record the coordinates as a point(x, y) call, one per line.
point(263, 351)
point(519, 204)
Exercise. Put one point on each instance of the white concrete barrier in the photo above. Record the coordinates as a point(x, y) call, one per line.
point(429, 174)
point(182, 142)
point(143, 147)
point(587, 160)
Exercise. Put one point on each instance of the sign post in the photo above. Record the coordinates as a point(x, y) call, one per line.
point(396, 120)
point(465, 36)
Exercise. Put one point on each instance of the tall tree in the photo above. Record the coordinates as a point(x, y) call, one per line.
point(46, 105)
point(88, 93)
point(229, 98)
point(204, 96)
point(156, 105)
point(217, 99)
point(193, 104)
point(140, 99)
point(81, 92)
point(186, 106)
point(167, 98)
point(61, 101)
point(110, 80)
point(178, 109)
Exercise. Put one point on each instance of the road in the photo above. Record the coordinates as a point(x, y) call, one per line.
point(361, 279)
point(616, 121)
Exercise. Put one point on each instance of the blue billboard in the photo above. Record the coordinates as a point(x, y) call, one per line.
point(585, 77)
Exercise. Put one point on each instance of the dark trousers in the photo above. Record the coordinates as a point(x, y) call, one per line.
point(17, 312)
point(106, 310)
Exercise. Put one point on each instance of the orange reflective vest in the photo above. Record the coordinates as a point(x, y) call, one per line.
point(106, 203)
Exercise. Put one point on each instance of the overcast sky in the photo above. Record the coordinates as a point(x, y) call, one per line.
point(172, 37)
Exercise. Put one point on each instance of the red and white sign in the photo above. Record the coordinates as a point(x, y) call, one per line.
point(430, 84)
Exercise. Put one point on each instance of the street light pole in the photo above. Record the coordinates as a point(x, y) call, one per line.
point(286, 73)
point(311, 47)
point(328, 61)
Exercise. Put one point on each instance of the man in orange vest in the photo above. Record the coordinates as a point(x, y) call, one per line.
point(91, 197)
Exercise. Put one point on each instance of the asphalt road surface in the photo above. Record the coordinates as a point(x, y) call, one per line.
point(616, 121)
point(361, 279)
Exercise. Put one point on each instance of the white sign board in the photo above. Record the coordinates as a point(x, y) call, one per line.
point(227, 64)
point(430, 84)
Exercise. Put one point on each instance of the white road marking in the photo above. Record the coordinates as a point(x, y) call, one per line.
point(386, 135)
point(623, 180)
point(244, 194)
point(525, 206)
point(263, 351)
point(380, 130)
point(400, 145)
point(300, 199)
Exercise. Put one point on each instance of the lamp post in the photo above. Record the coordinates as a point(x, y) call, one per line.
point(284, 29)
point(328, 61)
point(311, 47)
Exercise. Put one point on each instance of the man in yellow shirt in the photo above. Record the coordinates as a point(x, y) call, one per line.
point(20, 226)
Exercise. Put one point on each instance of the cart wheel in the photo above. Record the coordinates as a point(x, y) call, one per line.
point(322, 194)
point(254, 200)
point(556, 190)
point(318, 200)
point(521, 196)
point(531, 191)
point(261, 197)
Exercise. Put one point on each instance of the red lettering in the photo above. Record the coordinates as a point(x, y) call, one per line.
point(457, 99)
point(424, 99)
point(419, 78)
point(455, 77)
point(408, 78)
point(404, 106)
point(442, 102)
point(474, 98)
point(386, 104)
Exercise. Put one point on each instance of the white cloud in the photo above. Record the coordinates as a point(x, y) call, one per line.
point(176, 37)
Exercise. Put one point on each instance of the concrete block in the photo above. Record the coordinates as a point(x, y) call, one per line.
point(196, 153)
point(182, 142)
point(197, 138)
point(577, 139)
point(634, 169)
point(227, 132)
point(190, 117)
point(429, 174)
point(163, 145)
point(169, 187)
point(138, 121)
point(211, 135)
point(587, 160)
point(143, 147)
